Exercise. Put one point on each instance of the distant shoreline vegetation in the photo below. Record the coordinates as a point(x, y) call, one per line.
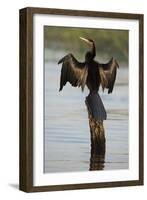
point(108, 42)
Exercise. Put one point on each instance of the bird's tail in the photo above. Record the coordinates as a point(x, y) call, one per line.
point(95, 107)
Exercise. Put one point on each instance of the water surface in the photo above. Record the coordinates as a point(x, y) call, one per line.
point(66, 131)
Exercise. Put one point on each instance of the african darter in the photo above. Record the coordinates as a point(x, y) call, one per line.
point(90, 73)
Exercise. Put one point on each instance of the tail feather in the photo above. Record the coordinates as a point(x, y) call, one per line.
point(95, 107)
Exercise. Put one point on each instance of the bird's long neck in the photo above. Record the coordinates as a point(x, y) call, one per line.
point(93, 50)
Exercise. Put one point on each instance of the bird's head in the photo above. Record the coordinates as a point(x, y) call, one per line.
point(88, 41)
point(90, 54)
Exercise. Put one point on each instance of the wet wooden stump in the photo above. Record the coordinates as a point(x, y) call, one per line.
point(96, 115)
point(97, 133)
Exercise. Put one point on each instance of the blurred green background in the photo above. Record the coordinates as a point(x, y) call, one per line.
point(59, 41)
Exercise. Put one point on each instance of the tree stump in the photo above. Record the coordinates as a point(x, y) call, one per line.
point(97, 135)
point(96, 115)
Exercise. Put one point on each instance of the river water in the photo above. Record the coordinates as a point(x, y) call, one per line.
point(66, 131)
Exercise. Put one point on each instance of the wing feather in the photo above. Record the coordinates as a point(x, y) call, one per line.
point(73, 72)
point(107, 74)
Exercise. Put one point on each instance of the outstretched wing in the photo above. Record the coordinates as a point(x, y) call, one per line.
point(107, 74)
point(73, 72)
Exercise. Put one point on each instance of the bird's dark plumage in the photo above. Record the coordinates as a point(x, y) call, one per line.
point(107, 74)
point(73, 72)
point(90, 72)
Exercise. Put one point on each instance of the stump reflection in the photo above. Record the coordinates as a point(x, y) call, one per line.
point(97, 161)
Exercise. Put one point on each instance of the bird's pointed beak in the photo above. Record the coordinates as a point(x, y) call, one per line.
point(86, 40)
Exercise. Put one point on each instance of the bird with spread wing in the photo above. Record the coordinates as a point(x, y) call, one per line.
point(90, 72)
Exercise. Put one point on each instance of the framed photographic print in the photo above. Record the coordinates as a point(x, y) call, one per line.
point(81, 99)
